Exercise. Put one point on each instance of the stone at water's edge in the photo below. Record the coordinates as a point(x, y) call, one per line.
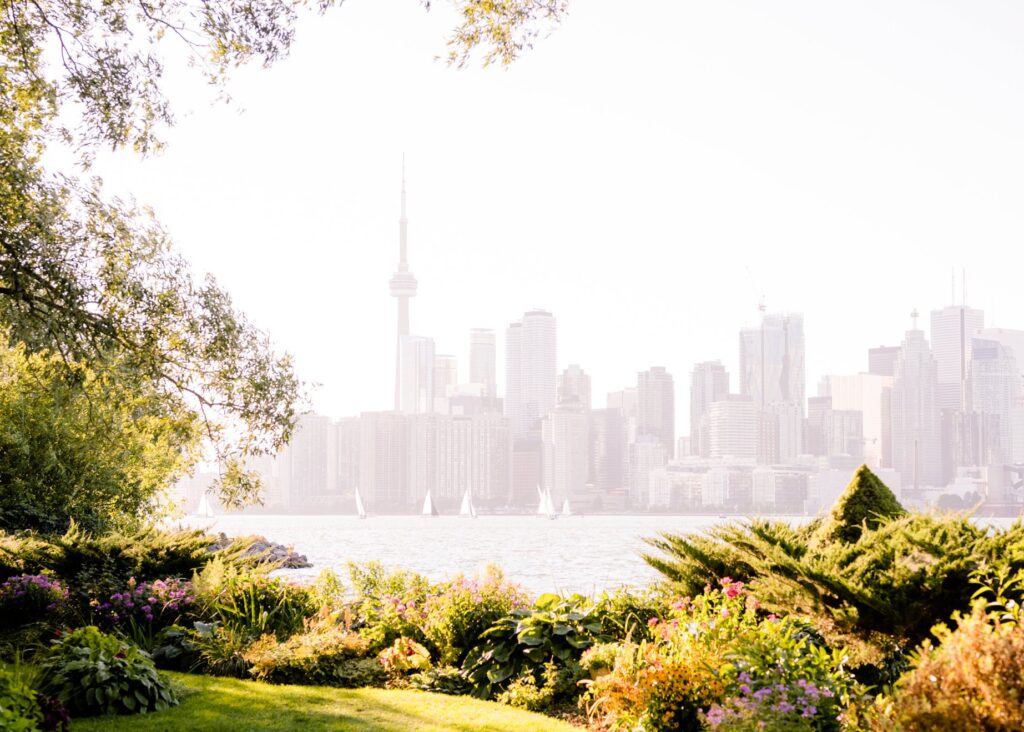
point(268, 552)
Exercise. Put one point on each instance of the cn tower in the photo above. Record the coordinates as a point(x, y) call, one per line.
point(403, 286)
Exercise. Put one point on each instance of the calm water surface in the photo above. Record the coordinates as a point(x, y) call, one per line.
point(571, 554)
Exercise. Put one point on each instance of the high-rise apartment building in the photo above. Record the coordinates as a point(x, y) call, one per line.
point(347, 435)
point(772, 361)
point(772, 375)
point(566, 439)
point(996, 387)
point(733, 430)
point(483, 359)
point(574, 386)
point(311, 475)
point(446, 379)
point(416, 368)
point(863, 393)
point(882, 360)
point(530, 371)
point(953, 330)
point(709, 383)
point(656, 407)
point(384, 461)
point(914, 414)
point(608, 450)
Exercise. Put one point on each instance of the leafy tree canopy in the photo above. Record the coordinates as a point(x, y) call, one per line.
point(93, 447)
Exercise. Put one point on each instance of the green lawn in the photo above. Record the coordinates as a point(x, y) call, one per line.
point(213, 703)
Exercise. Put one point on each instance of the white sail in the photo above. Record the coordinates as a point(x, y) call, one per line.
point(566, 511)
point(542, 507)
point(360, 508)
point(429, 509)
point(547, 505)
point(467, 508)
point(205, 509)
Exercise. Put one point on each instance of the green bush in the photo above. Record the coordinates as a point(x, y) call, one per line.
point(876, 586)
point(442, 680)
point(95, 673)
point(554, 629)
point(218, 650)
point(388, 605)
point(555, 684)
point(327, 655)
point(30, 598)
point(19, 711)
point(252, 603)
point(715, 660)
point(460, 610)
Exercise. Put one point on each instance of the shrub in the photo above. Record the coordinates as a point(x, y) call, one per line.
point(252, 603)
point(459, 611)
point(325, 654)
point(30, 597)
point(973, 679)
point(442, 680)
point(403, 656)
point(868, 578)
point(142, 609)
point(716, 658)
point(19, 710)
point(543, 692)
point(219, 650)
point(554, 629)
point(388, 605)
point(626, 613)
point(95, 673)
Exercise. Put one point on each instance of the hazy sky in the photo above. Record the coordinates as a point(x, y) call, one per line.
point(646, 173)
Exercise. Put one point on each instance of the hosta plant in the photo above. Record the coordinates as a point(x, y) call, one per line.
point(95, 673)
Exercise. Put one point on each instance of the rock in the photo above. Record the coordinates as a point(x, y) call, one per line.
point(263, 551)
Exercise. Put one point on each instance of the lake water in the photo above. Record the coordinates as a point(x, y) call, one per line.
point(571, 554)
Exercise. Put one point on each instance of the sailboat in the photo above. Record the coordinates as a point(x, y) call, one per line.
point(566, 511)
point(467, 508)
point(205, 509)
point(547, 505)
point(360, 508)
point(429, 509)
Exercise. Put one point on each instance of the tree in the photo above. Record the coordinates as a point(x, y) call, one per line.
point(96, 448)
point(866, 503)
point(97, 281)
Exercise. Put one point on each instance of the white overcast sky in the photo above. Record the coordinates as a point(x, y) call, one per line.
point(647, 173)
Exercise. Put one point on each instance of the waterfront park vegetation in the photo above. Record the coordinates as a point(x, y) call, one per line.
point(868, 618)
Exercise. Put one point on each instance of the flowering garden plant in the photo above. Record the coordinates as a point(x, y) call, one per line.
point(28, 597)
point(159, 603)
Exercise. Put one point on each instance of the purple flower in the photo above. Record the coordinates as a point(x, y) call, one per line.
point(809, 711)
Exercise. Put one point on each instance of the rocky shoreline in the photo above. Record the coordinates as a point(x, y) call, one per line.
point(263, 551)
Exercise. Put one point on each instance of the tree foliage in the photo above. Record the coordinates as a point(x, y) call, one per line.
point(79, 445)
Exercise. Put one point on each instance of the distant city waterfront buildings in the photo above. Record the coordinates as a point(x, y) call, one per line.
point(940, 417)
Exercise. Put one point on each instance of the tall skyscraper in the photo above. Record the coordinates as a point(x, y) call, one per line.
point(311, 475)
point(952, 334)
point(772, 361)
point(864, 393)
point(530, 371)
point(574, 386)
point(914, 414)
point(483, 360)
point(772, 375)
point(416, 368)
point(709, 383)
point(403, 287)
point(996, 387)
point(656, 407)
point(446, 379)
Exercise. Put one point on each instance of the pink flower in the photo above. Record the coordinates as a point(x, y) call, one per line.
point(652, 622)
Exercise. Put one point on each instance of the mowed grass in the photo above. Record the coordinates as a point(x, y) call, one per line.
point(212, 703)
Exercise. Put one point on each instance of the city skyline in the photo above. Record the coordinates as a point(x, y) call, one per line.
point(736, 170)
